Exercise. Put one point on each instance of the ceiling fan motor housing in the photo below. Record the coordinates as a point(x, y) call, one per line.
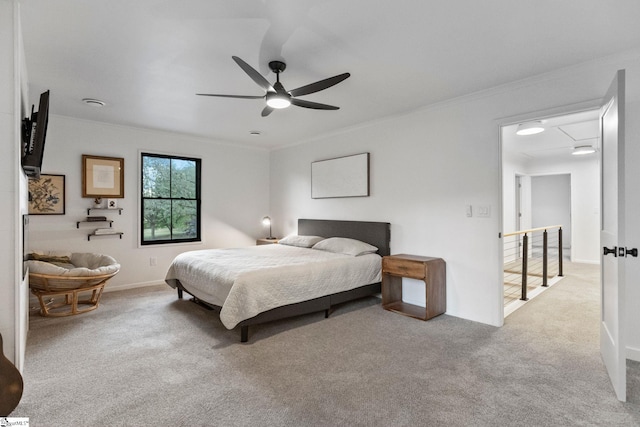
point(277, 66)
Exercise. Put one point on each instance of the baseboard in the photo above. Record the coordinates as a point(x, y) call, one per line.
point(583, 261)
point(127, 286)
point(633, 354)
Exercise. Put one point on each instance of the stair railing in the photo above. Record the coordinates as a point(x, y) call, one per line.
point(522, 255)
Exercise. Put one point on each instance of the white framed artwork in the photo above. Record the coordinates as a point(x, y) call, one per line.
point(346, 176)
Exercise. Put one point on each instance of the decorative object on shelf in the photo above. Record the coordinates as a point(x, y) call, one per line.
point(100, 231)
point(46, 195)
point(113, 233)
point(97, 203)
point(340, 177)
point(105, 232)
point(102, 176)
point(112, 203)
point(267, 221)
point(94, 220)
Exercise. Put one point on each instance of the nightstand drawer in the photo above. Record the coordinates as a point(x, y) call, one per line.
point(267, 241)
point(403, 267)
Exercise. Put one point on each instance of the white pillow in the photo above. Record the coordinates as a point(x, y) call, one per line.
point(343, 245)
point(300, 241)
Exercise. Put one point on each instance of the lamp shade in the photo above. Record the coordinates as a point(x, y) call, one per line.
point(267, 221)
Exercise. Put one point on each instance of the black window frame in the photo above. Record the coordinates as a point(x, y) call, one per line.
point(198, 163)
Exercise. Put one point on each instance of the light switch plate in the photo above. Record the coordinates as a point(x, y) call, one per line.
point(483, 211)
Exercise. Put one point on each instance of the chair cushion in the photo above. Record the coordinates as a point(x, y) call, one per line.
point(81, 264)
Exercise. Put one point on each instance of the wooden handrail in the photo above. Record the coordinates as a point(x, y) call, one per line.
point(531, 230)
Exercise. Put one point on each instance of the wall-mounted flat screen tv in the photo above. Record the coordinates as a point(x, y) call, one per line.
point(34, 134)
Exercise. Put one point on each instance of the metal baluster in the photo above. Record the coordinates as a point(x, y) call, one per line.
point(544, 259)
point(525, 250)
point(560, 252)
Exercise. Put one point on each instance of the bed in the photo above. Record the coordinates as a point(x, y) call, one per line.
point(249, 286)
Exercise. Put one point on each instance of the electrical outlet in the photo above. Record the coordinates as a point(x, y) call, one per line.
point(153, 261)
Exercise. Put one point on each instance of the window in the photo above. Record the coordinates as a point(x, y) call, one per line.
point(170, 199)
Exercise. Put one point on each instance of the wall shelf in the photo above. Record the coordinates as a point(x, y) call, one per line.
point(110, 221)
point(117, 233)
point(104, 209)
point(103, 220)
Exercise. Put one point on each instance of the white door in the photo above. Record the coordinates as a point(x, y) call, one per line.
point(612, 236)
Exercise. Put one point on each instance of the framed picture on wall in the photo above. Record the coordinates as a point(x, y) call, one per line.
point(346, 176)
point(102, 177)
point(47, 195)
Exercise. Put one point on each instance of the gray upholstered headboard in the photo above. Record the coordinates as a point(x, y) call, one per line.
point(377, 234)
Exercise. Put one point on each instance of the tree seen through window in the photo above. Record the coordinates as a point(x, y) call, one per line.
point(170, 199)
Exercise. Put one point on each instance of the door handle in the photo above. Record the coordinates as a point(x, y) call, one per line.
point(620, 251)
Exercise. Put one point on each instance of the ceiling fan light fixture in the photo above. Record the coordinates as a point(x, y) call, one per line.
point(581, 150)
point(530, 128)
point(276, 100)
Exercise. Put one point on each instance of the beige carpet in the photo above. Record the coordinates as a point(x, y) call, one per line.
point(145, 358)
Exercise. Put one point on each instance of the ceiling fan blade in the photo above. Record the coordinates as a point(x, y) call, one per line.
point(318, 86)
point(267, 110)
point(255, 76)
point(231, 96)
point(314, 105)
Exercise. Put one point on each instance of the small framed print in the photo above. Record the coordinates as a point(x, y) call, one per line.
point(102, 176)
point(46, 195)
point(112, 203)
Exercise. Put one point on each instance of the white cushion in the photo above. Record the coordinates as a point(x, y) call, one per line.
point(343, 245)
point(82, 264)
point(300, 241)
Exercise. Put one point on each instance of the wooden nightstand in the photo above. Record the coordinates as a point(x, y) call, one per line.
point(266, 241)
point(431, 270)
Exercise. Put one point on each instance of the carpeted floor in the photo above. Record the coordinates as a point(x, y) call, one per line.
point(145, 358)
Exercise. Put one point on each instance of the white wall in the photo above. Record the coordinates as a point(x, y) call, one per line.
point(235, 194)
point(585, 203)
point(427, 165)
point(13, 289)
point(551, 203)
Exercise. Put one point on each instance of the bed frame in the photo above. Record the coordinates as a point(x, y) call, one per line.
point(374, 233)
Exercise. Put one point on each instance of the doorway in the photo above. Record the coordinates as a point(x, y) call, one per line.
point(546, 184)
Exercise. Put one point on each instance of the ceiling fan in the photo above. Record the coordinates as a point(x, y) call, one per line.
point(276, 95)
